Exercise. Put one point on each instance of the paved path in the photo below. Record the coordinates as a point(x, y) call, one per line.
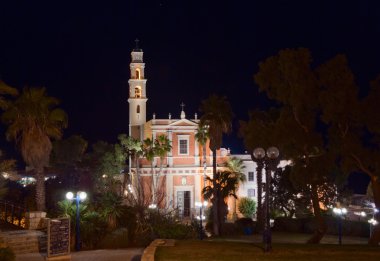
point(132, 254)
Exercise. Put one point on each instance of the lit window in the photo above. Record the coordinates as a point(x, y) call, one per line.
point(251, 176)
point(138, 92)
point(251, 193)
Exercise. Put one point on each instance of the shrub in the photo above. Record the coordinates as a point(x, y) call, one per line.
point(6, 254)
point(230, 229)
point(245, 224)
point(247, 207)
point(117, 239)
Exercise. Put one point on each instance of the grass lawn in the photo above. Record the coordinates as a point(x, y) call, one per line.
point(221, 250)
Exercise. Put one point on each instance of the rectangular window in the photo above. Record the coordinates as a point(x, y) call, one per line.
point(251, 176)
point(183, 147)
point(251, 193)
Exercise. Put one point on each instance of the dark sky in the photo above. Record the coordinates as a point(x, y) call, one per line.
point(81, 51)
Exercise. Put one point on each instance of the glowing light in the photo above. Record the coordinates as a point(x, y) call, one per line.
point(152, 206)
point(373, 221)
point(69, 195)
point(82, 195)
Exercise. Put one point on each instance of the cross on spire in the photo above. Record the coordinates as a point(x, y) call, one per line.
point(182, 106)
point(137, 43)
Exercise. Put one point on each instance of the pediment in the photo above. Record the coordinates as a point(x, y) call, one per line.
point(184, 122)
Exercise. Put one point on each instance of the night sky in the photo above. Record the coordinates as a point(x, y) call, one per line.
point(81, 52)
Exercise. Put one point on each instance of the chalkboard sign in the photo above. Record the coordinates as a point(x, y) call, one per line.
point(58, 237)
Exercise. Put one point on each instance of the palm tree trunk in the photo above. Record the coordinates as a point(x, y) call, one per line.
point(234, 214)
point(215, 195)
point(140, 196)
point(153, 184)
point(40, 190)
point(204, 165)
point(375, 236)
point(321, 224)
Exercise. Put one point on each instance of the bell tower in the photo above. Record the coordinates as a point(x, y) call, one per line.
point(137, 94)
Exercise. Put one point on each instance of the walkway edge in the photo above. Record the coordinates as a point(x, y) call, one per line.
point(149, 252)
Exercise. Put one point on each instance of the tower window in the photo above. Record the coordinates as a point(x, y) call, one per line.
point(138, 109)
point(138, 74)
point(137, 92)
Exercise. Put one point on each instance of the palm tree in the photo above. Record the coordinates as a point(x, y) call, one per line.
point(149, 153)
point(32, 120)
point(162, 147)
point(224, 185)
point(6, 90)
point(217, 115)
point(134, 150)
point(236, 167)
point(5, 166)
point(202, 137)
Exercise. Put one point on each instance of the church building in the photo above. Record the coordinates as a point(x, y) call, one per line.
point(179, 176)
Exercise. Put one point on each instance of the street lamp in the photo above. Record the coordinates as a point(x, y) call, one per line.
point(201, 217)
point(373, 222)
point(81, 196)
point(269, 161)
point(340, 212)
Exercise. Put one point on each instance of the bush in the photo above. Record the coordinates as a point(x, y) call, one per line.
point(247, 207)
point(6, 254)
point(166, 226)
point(244, 225)
point(308, 225)
point(117, 239)
point(230, 229)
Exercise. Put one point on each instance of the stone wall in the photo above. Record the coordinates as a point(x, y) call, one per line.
point(35, 220)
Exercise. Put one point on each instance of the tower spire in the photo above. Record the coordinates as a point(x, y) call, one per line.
point(137, 48)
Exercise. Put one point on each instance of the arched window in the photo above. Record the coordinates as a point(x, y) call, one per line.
point(138, 74)
point(138, 109)
point(137, 92)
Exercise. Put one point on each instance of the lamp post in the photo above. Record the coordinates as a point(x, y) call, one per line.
point(340, 212)
point(269, 161)
point(373, 222)
point(80, 196)
point(201, 217)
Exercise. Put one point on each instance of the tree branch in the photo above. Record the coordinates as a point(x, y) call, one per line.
point(299, 121)
point(360, 165)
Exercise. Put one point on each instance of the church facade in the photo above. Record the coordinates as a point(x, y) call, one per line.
point(180, 175)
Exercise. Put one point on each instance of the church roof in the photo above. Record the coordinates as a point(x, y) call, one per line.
point(173, 123)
